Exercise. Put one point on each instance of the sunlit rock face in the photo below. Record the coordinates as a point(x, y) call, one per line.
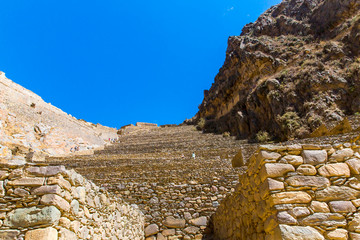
point(293, 70)
point(28, 124)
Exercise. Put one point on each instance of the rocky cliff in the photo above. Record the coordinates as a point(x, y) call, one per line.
point(293, 70)
point(33, 128)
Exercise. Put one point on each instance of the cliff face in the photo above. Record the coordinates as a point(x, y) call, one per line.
point(27, 123)
point(294, 69)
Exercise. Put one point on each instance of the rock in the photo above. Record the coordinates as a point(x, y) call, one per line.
point(311, 181)
point(342, 154)
point(319, 207)
point(285, 232)
point(325, 219)
point(152, 229)
point(285, 218)
point(60, 181)
point(9, 234)
point(354, 165)
point(300, 212)
point(306, 169)
point(28, 181)
point(65, 234)
point(273, 170)
point(29, 217)
point(2, 189)
point(335, 170)
point(53, 199)
point(168, 232)
point(293, 160)
point(201, 221)
point(191, 230)
point(268, 155)
point(171, 222)
point(314, 157)
point(342, 206)
point(47, 189)
point(46, 171)
point(354, 224)
point(354, 236)
point(238, 160)
point(290, 197)
point(159, 236)
point(42, 234)
point(338, 234)
point(336, 193)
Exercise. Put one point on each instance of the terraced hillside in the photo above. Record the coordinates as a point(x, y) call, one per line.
point(154, 168)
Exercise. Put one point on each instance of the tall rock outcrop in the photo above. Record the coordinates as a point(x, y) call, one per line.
point(294, 69)
point(30, 125)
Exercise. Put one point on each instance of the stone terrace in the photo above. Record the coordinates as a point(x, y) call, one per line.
point(153, 168)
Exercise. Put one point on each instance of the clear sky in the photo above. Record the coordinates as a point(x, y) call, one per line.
point(117, 62)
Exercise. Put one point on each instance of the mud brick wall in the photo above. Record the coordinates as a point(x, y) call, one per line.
point(50, 202)
point(295, 192)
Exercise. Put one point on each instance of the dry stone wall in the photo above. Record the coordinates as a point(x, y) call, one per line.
point(49, 202)
point(295, 192)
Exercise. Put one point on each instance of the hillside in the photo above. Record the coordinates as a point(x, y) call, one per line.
point(295, 69)
point(28, 124)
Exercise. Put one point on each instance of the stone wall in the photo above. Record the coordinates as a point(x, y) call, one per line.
point(295, 192)
point(50, 202)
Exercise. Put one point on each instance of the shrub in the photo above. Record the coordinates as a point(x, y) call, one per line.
point(262, 136)
point(201, 124)
point(289, 123)
point(226, 134)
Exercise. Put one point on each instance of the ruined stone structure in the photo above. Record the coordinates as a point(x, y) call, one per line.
point(40, 202)
point(295, 192)
point(154, 168)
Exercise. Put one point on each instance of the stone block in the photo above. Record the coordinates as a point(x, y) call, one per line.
point(42, 234)
point(65, 234)
point(325, 219)
point(314, 157)
point(2, 189)
point(80, 193)
point(29, 217)
point(238, 160)
point(47, 189)
point(290, 197)
point(307, 170)
point(191, 230)
point(268, 155)
point(59, 180)
point(9, 234)
point(337, 193)
point(335, 170)
point(342, 154)
point(273, 170)
point(308, 181)
point(285, 218)
point(28, 182)
point(354, 165)
point(317, 206)
point(270, 185)
point(338, 234)
point(293, 160)
point(46, 171)
point(285, 232)
point(354, 224)
point(354, 236)
point(172, 222)
point(151, 229)
point(342, 206)
point(300, 212)
point(168, 232)
point(201, 221)
point(55, 200)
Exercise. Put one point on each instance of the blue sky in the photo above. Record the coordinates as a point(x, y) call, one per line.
point(117, 62)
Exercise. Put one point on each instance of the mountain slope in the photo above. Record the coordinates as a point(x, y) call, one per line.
point(297, 67)
point(27, 123)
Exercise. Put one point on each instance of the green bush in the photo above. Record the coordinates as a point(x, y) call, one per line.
point(262, 136)
point(289, 123)
point(226, 134)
